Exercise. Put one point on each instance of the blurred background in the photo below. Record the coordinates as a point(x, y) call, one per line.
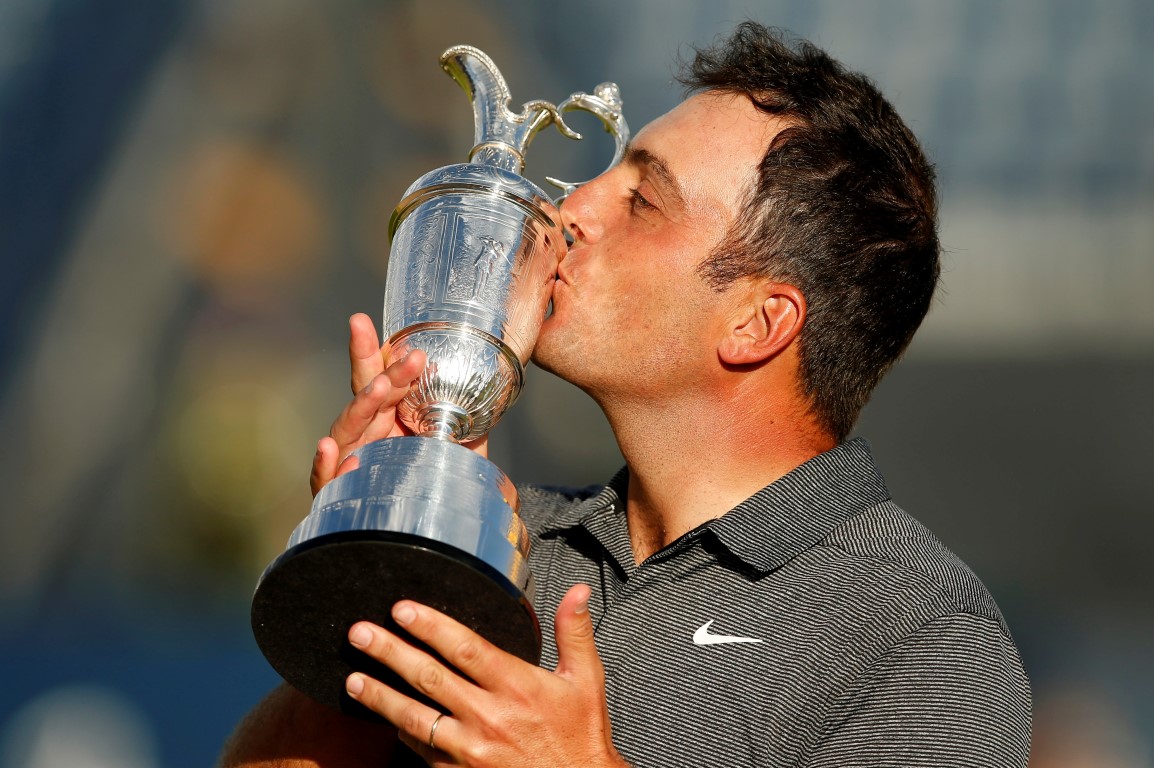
point(194, 197)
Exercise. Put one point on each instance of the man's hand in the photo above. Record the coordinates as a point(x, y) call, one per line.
point(372, 415)
point(501, 711)
point(378, 386)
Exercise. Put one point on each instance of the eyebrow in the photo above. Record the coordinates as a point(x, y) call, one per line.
point(643, 157)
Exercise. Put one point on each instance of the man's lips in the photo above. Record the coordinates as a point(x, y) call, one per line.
point(562, 274)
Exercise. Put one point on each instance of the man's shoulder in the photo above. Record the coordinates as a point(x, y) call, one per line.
point(542, 505)
point(896, 548)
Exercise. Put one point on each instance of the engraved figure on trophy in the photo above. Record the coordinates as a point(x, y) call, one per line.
point(475, 248)
point(491, 250)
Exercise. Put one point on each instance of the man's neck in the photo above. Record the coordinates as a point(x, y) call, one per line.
point(687, 467)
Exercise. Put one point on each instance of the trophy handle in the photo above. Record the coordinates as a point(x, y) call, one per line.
point(605, 104)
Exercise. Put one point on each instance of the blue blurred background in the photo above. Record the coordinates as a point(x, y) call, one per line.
point(194, 197)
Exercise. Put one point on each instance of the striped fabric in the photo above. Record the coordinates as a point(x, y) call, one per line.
point(815, 624)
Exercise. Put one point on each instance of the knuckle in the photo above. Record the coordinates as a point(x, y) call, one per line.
point(584, 631)
point(475, 753)
point(530, 692)
point(468, 652)
point(430, 678)
point(388, 650)
point(411, 720)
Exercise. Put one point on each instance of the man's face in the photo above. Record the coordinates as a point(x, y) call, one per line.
point(631, 315)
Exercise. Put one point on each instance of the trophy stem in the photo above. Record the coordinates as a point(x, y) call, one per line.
point(443, 421)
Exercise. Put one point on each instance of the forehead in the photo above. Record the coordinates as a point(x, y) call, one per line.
point(712, 143)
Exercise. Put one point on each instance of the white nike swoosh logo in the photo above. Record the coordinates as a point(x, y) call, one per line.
point(703, 637)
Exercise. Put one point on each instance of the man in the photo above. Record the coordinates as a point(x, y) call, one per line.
point(744, 592)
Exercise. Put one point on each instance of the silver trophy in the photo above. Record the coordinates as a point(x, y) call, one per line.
point(474, 254)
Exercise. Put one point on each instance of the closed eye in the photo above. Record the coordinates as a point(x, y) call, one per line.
point(637, 201)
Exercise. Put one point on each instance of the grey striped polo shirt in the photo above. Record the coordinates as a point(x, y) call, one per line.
point(815, 624)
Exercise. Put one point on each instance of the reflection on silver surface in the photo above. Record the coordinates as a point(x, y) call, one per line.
point(429, 488)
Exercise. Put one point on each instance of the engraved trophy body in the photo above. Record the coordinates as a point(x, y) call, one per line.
point(474, 253)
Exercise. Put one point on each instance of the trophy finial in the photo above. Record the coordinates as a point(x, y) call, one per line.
point(500, 135)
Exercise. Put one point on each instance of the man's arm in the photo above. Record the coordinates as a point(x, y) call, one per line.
point(954, 693)
point(290, 730)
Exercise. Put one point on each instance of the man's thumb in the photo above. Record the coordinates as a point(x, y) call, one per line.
point(576, 651)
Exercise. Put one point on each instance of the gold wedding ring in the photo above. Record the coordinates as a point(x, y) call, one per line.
point(433, 730)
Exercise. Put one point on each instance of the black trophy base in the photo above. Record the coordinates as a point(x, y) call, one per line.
point(309, 597)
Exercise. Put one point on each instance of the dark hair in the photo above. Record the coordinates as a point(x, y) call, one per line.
point(844, 210)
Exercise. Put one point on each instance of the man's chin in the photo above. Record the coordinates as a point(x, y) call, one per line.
point(542, 359)
point(549, 353)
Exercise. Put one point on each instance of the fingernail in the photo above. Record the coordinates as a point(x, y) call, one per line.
point(369, 387)
point(360, 636)
point(583, 602)
point(355, 684)
point(404, 614)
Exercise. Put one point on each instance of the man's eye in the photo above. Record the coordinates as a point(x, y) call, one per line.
point(637, 201)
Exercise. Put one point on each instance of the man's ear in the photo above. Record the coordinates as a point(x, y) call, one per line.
point(766, 319)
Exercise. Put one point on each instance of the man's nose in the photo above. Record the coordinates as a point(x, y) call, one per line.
point(579, 214)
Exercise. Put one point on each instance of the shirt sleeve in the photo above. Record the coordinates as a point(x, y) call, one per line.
point(952, 694)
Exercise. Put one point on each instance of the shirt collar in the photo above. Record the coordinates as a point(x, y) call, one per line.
point(603, 516)
point(800, 509)
point(611, 496)
point(769, 528)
